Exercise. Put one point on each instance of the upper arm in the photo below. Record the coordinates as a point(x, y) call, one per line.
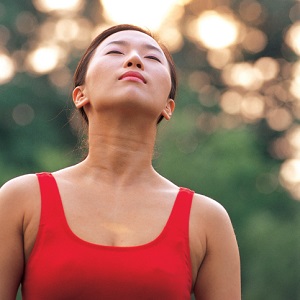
point(12, 210)
point(219, 274)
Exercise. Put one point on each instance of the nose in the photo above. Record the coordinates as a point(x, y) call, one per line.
point(134, 60)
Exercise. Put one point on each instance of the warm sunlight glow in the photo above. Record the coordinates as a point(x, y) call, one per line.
point(290, 171)
point(216, 31)
point(219, 58)
point(231, 102)
point(44, 59)
point(7, 68)
point(66, 29)
point(293, 137)
point(292, 37)
point(268, 67)
point(148, 14)
point(252, 107)
point(243, 74)
point(57, 5)
point(172, 38)
point(295, 82)
point(295, 87)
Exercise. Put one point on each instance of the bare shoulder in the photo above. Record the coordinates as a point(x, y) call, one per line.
point(25, 183)
point(17, 192)
point(218, 274)
point(16, 207)
point(209, 221)
point(208, 211)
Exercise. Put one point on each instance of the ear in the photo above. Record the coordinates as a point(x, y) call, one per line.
point(168, 110)
point(79, 97)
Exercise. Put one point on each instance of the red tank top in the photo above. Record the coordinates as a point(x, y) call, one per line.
point(64, 267)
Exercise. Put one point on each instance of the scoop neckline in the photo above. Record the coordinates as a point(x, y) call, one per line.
point(81, 240)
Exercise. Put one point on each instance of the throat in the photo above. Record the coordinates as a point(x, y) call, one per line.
point(119, 164)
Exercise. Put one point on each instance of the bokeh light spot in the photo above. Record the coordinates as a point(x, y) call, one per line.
point(219, 58)
point(250, 10)
point(252, 106)
point(292, 37)
point(148, 14)
point(216, 31)
point(44, 59)
point(26, 22)
point(231, 102)
point(7, 68)
point(244, 75)
point(290, 171)
point(268, 67)
point(48, 6)
point(66, 29)
point(23, 114)
point(254, 40)
point(279, 119)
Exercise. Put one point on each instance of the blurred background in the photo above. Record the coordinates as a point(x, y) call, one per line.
point(235, 135)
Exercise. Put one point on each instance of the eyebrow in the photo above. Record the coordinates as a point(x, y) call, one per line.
point(145, 45)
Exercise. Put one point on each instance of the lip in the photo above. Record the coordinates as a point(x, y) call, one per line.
point(133, 75)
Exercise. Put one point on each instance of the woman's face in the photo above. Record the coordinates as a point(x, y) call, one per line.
point(128, 71)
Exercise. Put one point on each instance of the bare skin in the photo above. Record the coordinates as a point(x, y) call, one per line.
point(119, 166)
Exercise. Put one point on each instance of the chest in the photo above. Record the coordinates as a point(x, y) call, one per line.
point(117, 218)
point(153, 266)
point(114, 220)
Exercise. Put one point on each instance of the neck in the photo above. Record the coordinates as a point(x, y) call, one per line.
point(121, 152)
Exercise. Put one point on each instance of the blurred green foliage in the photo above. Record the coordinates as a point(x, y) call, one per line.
point(232, 166)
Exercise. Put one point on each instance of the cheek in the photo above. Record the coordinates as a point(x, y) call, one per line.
point(95, 77)
point(97, 68)
point(164, 85)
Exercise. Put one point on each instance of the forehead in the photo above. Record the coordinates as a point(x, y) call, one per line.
point(131, 37)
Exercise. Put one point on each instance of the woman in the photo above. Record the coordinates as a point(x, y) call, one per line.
point(111, 227)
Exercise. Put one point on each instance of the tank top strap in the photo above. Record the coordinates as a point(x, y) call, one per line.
point(51, 206)
point(180, 215)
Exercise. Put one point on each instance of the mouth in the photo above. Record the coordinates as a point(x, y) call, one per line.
point(134, 76)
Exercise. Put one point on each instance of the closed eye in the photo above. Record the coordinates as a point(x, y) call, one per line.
point(154, 58)
point(114, 52)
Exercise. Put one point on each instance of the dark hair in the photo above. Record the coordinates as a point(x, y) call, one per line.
point(80, 73)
